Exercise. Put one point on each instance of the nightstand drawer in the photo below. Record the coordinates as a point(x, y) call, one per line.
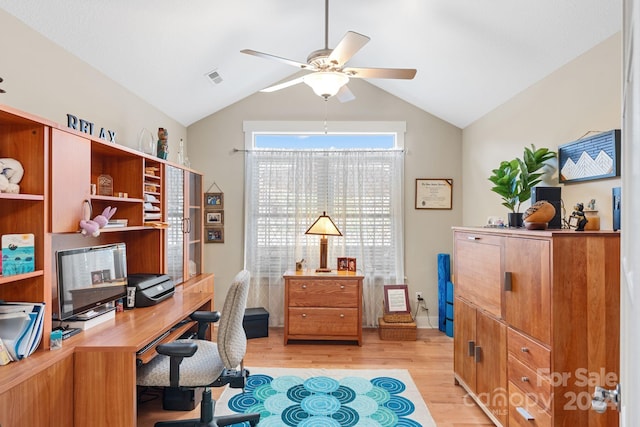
point(323, 293)
point(323, 321)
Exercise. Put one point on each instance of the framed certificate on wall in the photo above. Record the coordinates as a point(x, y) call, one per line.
point(434, 193)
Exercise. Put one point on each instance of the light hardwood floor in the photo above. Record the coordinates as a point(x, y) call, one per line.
point(429, 360)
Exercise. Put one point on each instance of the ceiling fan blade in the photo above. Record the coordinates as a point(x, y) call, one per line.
point(283, 85)
point(380, 73)
point(345, 95)
point(279, 59)
point(351, 43)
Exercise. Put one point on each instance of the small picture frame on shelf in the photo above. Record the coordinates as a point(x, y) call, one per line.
point(351, 265)
point(214, 235)
point(343, 264)
point(214, 200)
point(214, 217)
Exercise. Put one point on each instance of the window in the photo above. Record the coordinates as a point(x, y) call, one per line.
point(292, 177)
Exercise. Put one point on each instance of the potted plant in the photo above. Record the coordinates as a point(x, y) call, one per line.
point(513, 180)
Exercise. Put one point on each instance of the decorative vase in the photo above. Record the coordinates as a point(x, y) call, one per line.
point(515, 219)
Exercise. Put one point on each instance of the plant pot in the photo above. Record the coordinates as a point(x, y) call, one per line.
point(515, 219)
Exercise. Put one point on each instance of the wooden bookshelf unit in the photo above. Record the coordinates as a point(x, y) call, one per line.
point(98, 365)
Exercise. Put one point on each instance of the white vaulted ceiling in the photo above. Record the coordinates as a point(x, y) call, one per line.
point(471, 55)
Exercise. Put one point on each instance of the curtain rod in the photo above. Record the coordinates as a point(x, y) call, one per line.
point(277, 150)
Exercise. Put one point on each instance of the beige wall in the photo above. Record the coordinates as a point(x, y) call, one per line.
point(433, 151)
point(582, 96)
point(45, 80)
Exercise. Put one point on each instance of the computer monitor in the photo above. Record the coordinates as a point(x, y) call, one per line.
point(88, 278)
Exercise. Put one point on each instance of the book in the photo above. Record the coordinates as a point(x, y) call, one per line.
point(89, 323)
point(17, 254)
point(116, 223)
point(4, 354)
point(21, 326)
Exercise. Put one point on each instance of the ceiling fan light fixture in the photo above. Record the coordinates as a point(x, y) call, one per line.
point(326, 83)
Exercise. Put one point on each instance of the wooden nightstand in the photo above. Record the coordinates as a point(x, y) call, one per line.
point(323, 306)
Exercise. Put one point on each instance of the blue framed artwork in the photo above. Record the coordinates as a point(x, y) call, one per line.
point(594, 157)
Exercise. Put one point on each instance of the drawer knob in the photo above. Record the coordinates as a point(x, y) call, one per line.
point(525, 379)
point(304, 315)
point(341, 286)
point(524, 350)
point(473, 238)
point(342, 316)
point(304, 286)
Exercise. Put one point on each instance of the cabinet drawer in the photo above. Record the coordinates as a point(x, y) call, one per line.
point(529, 352)
point(478, 270)
point(535, 386)
point(525, 411)
point(323, 293)
point(323, 321)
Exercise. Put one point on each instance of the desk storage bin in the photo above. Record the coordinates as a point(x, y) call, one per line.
point(407, 331)
point(256, 322)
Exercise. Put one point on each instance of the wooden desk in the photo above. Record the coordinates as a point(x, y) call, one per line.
point(323, 306)
point(92, 379)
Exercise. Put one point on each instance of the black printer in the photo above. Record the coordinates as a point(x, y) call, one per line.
point(151, 288)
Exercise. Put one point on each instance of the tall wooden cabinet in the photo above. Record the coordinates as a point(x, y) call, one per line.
point(185, 216)
point(546, 306)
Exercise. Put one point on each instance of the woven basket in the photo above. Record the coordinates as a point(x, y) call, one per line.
point(397, 317)
point(397, 331)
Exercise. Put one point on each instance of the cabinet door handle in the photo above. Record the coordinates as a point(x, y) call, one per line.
point(507, 281)
point(478, 355)
point(525, 379)
point(524, 350)
point(188, 225)
point(472, 348)
point(526, 415)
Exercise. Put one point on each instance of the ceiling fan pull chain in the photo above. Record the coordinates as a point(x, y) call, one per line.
point(326, 128)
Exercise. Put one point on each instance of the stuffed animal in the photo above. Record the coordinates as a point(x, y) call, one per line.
point(91, 227)
point(11, 172)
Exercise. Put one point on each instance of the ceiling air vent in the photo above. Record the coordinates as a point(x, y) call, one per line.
point(214, 77)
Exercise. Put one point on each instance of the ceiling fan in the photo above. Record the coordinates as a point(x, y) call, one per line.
point(329, 75)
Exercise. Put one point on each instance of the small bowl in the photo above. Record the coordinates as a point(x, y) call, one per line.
point(535, 225)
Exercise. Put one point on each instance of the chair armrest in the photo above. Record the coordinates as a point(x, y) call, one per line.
point(204, 318)
point(176, 352)
point(178, 349)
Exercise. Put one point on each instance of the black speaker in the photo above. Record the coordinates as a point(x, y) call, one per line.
point(616, 196)
point(551, 195)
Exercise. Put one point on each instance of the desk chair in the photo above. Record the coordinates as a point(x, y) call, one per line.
point(186, 364)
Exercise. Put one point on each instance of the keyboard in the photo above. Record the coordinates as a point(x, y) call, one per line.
point(69, 332)
point(152, 343)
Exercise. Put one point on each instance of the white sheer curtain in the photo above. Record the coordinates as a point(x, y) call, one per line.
point(285, 193)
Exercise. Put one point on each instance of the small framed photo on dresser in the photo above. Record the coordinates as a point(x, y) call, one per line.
point(343, 264)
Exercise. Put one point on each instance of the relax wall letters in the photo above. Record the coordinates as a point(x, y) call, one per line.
point(87, 127)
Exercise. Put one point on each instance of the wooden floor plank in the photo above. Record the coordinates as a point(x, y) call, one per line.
point(429, 359)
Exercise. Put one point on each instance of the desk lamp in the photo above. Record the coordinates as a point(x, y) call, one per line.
point(324, 227)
